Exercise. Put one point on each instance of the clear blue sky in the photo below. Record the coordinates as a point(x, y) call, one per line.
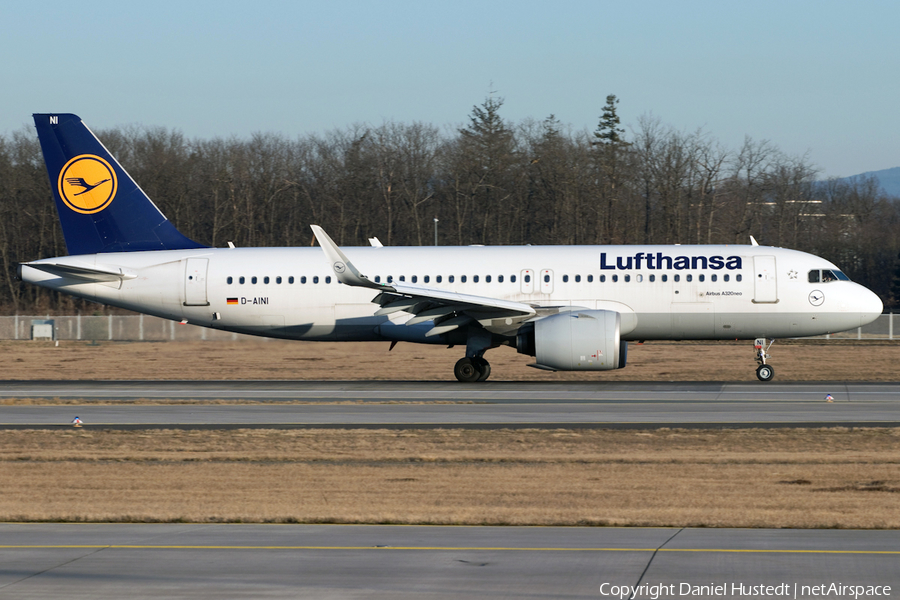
point(821, 77)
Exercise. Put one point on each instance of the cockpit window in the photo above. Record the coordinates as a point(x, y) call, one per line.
point(826, 275)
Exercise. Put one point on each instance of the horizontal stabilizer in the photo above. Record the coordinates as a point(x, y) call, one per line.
point(92, 274)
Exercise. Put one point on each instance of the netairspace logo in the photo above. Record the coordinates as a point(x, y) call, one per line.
point(793, 591)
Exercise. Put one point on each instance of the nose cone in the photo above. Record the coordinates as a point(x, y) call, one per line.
point(869, 306)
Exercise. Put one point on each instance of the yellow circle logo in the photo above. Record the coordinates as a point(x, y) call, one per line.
point(87, 184)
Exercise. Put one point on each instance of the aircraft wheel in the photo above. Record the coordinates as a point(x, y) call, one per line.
point(483, 367)
point(765, 372)
point(466, 371)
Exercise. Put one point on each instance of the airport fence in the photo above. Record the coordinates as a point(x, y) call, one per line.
point(125, 328)
point(134, 328)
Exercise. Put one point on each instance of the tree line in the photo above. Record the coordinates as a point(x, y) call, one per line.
point(489, 181)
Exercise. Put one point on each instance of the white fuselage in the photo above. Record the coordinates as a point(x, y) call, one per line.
point(668, 292)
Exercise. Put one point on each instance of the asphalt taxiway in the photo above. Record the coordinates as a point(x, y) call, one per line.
point(320, 561)
point(295, 404)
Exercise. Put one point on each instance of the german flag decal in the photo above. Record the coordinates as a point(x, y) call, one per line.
point(232, 300)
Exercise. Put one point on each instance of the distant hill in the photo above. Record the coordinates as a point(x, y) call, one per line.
point(888, 178)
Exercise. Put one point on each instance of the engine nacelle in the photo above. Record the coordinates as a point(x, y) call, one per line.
point(584, 340)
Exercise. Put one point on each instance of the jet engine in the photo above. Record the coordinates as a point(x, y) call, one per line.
point(582, 340)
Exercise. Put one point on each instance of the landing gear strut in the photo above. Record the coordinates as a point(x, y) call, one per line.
point(764, 372)
point(470, 370)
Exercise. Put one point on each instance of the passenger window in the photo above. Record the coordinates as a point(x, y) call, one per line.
point(291, 279)
point(565, 279)
point(665, 278)
point(241, 280)
point(590, 279)
point(500, 279)
point(615, 278)
point(265, 280)
point(450, 279)
point(474, 278)
point(278, 279)
point(512, 278)
point(603, 279)
point(546, 279)
point(328, 279)
point(652, 278)
point(316, 279)
point(415, 278)
point(713, 277)
point(378, 279)
point(677, 278)
point(639, 278)
point(390, 279)
point(403, 278)
point(701, 277)
point(230, 280)
point(578, 279)
point(814, 276)
point(462, 278)
point(738, 277)
point(627, 278)
point(726, 277)
point(439, 278)
point(427, 279)
point(487, 278)
point(528, 279)
point(689, 278)
point(253, 280)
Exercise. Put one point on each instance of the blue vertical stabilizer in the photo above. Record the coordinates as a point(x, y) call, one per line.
point(101, 208)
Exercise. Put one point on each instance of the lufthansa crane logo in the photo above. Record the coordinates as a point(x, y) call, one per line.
point(87, 184)
point(816, 298)
point(339, 267)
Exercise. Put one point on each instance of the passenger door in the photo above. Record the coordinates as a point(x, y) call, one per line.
point(765, 288)
point(195, 282)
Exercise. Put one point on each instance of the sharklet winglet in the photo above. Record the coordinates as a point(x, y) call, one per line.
point(343, 269)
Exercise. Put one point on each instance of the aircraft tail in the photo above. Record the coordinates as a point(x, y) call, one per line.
point(101, 208)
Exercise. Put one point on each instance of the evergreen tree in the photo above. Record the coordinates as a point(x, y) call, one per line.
point(608, 131)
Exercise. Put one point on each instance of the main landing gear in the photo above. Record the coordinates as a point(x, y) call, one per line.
point(764, 372)
point(473, 367)
point(470, 370)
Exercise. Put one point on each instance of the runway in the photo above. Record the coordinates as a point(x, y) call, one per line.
point(320, 561)
point(295, 404)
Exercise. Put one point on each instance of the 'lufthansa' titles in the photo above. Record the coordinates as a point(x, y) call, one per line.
point(658, 260)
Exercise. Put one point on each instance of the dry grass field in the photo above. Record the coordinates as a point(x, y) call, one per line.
point(725, 478)
point(659, 361)
point(711, 478)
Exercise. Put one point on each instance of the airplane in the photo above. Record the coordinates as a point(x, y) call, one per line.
point(573, 308)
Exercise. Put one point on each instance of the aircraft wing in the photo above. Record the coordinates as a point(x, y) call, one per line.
point(448, 310)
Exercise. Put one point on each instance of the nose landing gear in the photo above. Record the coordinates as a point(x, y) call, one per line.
point(764, 372)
